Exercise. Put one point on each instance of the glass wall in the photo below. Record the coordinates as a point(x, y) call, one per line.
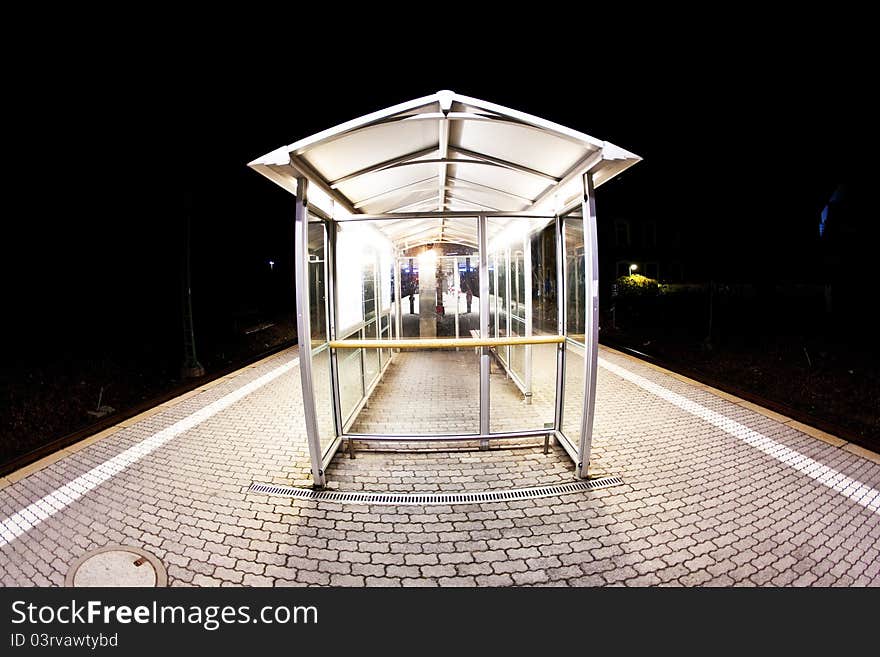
point(437, 391)
point(365, 287)
point(369, 290)
point(502, 315)
point(321, 378)
point(518, 314)
point(575, 318)
point(523, 393)
point(575, 274)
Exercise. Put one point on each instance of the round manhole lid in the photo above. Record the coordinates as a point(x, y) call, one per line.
point(117, 565)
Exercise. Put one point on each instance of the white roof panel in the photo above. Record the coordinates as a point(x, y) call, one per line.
point(522, 144)
point(367, 146)
point(445, 153)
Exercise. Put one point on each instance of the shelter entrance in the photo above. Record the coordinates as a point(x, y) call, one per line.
point(447, 278)
point(439, 292)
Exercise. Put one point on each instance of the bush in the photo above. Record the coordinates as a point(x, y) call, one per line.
point(637, 286)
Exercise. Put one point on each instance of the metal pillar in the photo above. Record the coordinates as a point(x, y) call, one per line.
point(560, 322)
point(508, 275)
point(191, 367)
point(332, 314)
point(456, 283)
point(495, 288)
point(398, 272)
point(303, 326)
point(527, 296)
point(482, 240)
point(591, 327)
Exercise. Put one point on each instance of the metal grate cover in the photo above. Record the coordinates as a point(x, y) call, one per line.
point(422, 499)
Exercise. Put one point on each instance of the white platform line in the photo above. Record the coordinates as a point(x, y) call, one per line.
point(856, 491)
point(47, 506)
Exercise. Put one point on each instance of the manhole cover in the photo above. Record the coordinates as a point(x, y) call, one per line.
point(117, 565)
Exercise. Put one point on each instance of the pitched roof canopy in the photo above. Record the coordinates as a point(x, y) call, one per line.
point(441, 154)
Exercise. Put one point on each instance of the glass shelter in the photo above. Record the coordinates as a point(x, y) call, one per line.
point(446, 274)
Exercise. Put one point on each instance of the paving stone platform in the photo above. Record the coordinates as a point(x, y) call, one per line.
point(716, 493)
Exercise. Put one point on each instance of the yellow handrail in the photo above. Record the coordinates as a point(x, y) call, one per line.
point(445, 343)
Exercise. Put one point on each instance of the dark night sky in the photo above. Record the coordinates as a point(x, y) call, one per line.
point(741, 142)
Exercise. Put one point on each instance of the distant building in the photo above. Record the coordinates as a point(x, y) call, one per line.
point(653, 245)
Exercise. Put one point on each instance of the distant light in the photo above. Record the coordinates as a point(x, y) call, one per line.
point(632, 268)
point(427, 260)
point(272, 264)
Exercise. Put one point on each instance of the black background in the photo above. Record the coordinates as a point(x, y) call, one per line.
point(746, 124)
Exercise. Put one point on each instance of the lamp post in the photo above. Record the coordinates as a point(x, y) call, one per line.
point(191, 367)
point(632, 268)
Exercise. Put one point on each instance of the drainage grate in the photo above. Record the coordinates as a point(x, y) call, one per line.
point(419, 499)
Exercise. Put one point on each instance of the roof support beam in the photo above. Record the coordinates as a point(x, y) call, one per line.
point(383, 165)
point(428, 230)
point(449, 199)
point(410, 187)
point(397, 216)
point(492, 189)
point(446, 160)
point(411, 245)
point(580, 167)
point(481, 206)
point(331, 134)
point(441, 178)
point(427, 233)
point(318, 181)
point(505, 163)
point(409, 206)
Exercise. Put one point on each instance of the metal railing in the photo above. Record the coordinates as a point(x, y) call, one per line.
point(445, 343)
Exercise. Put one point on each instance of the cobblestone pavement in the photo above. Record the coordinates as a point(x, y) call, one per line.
point(715, 493)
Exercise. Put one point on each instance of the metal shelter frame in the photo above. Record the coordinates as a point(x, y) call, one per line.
point(412, 189)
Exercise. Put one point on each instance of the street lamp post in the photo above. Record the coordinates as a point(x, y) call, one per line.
point(632, 268)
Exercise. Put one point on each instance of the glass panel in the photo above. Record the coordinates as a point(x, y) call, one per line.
point(446, 286)
point(371, 356)
point(517, 314)
point(575, 284)
point(501, 306)
point(351, 380)
point(323, 396)
point(365, 284)
point(573, 409)
point(369, 274)
point(439, 282)
point(426, 391)
point(508, 409)
point(544, 310)
point(575, 287)
point(519, 283)
point(493, 295)
point(317, 284)
point(368, 285)
point(523, 259)
point(409, 292)
point(384, 334)
point(469, 295)
point(318, 319)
